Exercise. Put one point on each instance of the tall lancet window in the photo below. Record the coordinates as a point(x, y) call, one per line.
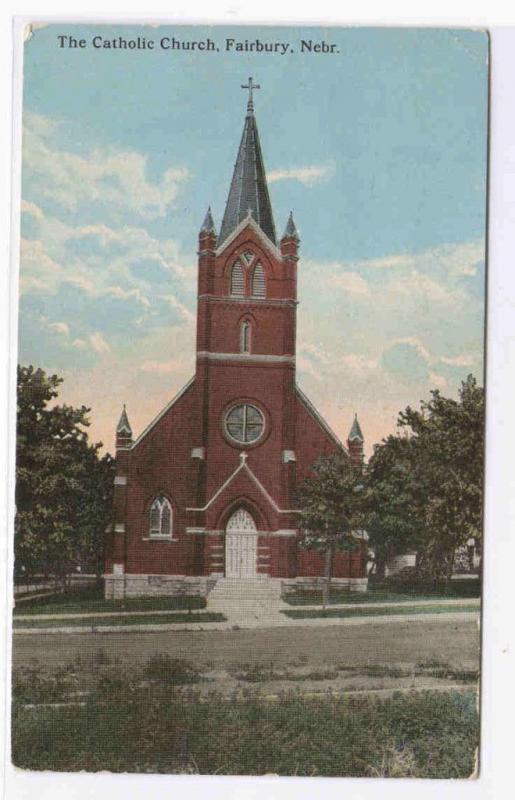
point(237, 279)
point(245, 335)
point(160, 518)
point(258, 281)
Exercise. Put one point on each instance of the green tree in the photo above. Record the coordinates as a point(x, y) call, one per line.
point(331, 502)
point(447, 440)
point(63, 486)
point(395, 520)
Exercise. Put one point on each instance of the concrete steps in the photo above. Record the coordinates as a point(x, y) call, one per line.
point(243, 599)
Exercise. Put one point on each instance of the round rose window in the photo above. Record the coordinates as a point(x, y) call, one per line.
point(244, 423)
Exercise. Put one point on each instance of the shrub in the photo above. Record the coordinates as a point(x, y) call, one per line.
point(164, 669)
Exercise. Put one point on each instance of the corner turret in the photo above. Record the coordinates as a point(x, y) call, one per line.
point(290, 240)
point(123, 431)
point(355, 443)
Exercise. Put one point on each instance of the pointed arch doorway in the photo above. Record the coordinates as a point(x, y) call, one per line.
point(241, 545)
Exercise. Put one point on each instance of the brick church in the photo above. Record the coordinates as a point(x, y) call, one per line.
point(207, 490)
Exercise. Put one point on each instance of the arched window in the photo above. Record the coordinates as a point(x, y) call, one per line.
point(258, 281)
point(245, 337)
point(237, 279)
point(160, 518)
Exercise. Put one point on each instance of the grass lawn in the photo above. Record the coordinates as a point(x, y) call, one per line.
point(158, 728)
point(391, 592)
point(128, 619)
point(90, 599)
point(311, 613)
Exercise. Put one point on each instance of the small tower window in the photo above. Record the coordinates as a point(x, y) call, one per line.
point(237, 279)
point(245, 337)
point(258, 281)
point(160, 518)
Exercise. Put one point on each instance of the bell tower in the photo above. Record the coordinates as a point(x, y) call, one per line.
point(246, 324)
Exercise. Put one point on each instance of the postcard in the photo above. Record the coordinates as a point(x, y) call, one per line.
point(250, 401)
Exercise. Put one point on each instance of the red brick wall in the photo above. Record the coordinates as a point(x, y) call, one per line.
point(162, 462)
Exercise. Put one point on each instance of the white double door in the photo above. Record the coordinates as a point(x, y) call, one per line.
point(240, 546)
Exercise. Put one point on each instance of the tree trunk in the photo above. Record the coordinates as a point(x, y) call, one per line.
point(380, 567)
point(328, 568)
point(449, 571)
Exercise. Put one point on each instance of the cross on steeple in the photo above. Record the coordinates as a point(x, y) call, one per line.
point(250, 86)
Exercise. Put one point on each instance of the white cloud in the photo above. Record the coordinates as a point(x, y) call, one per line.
point(359, 363)
point(32, 209)
point(463, 360)
point(438, 381)
point(184, 312)
point(60, 327)
point(99, 343)
point(116, 179)
point(163, 367)
point(305, 175)
point(462, 258)
point(350, 282)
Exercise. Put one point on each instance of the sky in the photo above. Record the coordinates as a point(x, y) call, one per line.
point(378, 148)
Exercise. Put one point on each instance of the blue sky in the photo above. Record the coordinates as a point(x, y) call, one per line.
point(379, 149)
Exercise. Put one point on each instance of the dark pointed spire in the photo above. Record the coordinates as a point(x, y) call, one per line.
point(355, 431)
point(248, 189)
point(123, 427)
point(290, 232)
point(208, 226)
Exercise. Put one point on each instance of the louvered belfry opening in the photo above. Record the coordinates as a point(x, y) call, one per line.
point(237, 279)
point(258, 281)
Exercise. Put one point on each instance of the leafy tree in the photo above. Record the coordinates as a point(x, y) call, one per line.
point(447, 441)
point(63, 486)
point(331, 499)
point(395, 521)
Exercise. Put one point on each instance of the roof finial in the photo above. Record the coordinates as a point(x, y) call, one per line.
point(250, 86)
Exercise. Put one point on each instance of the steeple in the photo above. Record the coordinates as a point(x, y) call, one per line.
point(248, 193)
point(123, 430)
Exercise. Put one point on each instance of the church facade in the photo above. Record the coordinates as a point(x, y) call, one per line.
point(207, 491)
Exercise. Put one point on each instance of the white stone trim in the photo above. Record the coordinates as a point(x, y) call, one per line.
point(196, 530)
point(119, 527)
point(288, 455)
point(249, 300)
point(198, 452)
point(161, 414)
point(243, 465)
point(308, 405)
point(246, 357)
point(120, 480)
point(250, 222)
point(158, 539)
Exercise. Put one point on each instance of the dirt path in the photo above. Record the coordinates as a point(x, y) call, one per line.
point(403, 643)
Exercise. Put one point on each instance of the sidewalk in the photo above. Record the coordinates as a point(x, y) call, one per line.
point(271, 621)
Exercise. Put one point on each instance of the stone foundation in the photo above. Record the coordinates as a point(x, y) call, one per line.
point(292, 586)
point(120, 586)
